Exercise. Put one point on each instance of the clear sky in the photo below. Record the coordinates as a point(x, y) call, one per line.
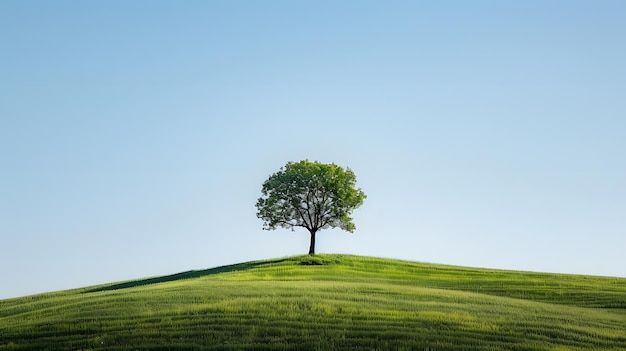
point(135, 135)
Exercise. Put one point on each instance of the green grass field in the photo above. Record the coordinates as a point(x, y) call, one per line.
point(326, 302)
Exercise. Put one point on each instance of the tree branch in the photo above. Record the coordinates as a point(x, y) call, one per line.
point(307, 225)
point(290, 224)
point(313, 221)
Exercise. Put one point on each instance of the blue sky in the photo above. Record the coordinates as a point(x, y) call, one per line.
point(135, 136)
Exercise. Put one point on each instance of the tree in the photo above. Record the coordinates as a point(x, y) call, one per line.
point(310, 195)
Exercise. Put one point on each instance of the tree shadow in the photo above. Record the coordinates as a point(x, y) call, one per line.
point(186, 275)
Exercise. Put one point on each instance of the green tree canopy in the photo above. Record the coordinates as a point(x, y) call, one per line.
point(311, 195)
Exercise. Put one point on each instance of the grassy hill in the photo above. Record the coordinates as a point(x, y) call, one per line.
point(326, 302)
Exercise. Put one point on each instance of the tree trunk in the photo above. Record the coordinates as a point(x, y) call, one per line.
point(312, 247)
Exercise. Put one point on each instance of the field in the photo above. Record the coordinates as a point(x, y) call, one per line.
point(326, 302)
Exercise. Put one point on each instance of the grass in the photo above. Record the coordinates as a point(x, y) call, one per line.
point(326, 302)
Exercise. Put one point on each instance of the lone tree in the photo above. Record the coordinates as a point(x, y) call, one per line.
point(311, 195)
